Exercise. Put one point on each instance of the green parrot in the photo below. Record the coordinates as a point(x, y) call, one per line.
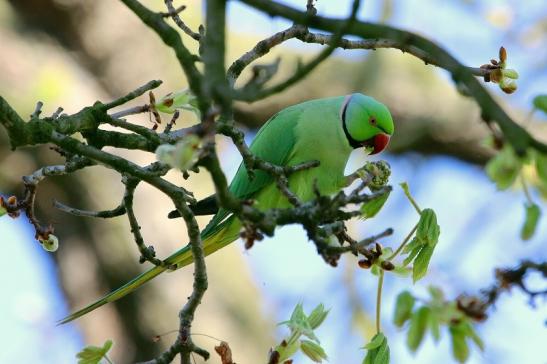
point(326, 130)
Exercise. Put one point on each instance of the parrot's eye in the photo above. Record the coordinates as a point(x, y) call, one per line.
point(372, 121)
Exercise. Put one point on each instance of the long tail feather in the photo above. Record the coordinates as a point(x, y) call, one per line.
point(117, 294)
point(216, 237)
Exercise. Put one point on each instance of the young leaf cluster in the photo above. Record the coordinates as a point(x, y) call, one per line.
point(377, 350)
point(300, 325)
point(504, 169)
point(94, 354)
point(431, 316)
point(420, 249)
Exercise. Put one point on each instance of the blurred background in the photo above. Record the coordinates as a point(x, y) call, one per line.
point(70, 53)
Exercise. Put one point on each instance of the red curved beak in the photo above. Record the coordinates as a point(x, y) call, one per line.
point(378, 143)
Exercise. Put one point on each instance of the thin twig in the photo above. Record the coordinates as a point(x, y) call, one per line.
point(37, 110)
point(402, 245)
point(57, 113)
point(147, 253)
point(149, 134)
point(174, 14)
point(104, 214)
point(250, 93)
point(133, 94)
point(379, 300)
point(171, 122)
point(131, 111)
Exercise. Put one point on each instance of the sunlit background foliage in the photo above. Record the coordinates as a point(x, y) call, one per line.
point(70, 53)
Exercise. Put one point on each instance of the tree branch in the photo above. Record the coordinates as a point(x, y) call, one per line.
point(519, 138)
point(252, 93)
point(174, 14)
point(172, 39)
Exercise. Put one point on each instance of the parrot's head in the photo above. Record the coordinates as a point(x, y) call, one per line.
point(366, 122)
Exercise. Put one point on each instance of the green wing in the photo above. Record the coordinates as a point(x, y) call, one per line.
point(274, 143)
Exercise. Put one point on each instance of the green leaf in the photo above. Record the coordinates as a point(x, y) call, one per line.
point(460, 349)
point(421, 263)
point(414, 249)
point(435, 326)
point(504, 168)
point(299, 323)
point(378, 350)
point(541, 167)
point(317, 316)
point(540, 103)
point(382, 354)
point(298, 314)
point(182, 99)
point(418, 326)
point(533, 213)
point(371, 208)
point(428, 230)
point(401, 270)
point(93, 354)
point(472, 334)
point(437, 295)
point(375, 342)
point(313, 351)
point(467, 328)
point(421, 247)
point(414, 243)
point(403, 308)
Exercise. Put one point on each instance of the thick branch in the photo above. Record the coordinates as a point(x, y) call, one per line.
point(214, 49)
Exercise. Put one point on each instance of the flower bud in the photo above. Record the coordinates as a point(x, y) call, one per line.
point(186, 152)
point(50, 244)
point(182, 155)
point(508, 86)
point(503, 54)
point(387, 265)
point(164, 153)
point(496, 75)
point(173, 101)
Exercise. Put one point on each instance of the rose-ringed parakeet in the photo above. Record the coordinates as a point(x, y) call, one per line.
point(326, 130)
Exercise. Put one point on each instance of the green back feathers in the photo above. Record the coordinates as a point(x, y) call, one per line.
point(273, 143)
